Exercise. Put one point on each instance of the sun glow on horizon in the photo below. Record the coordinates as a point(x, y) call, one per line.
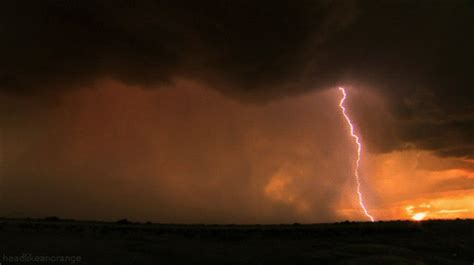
point(419, 216)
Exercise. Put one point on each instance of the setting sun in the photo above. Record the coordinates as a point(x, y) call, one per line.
point(419, 216)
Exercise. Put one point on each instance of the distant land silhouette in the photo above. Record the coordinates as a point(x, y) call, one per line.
point(127, 242)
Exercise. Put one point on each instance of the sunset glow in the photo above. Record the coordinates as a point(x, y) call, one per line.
point(419, 216)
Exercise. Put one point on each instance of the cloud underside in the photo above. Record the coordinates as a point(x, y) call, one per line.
point(416, 55)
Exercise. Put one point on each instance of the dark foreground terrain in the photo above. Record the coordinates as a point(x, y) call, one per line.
point(53, 241)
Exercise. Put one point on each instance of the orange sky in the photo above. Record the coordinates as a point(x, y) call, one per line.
point(190, 154)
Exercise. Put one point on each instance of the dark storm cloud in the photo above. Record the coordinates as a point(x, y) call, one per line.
point(246, 45)
point(417, 54)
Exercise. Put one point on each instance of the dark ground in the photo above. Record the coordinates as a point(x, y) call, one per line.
point(397, 242)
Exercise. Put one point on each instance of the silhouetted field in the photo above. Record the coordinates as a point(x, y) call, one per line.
point(54, 241)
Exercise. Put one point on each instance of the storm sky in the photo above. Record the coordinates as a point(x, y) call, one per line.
point(227, 111)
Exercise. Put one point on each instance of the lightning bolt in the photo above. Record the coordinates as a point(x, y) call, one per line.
point(359, 150)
